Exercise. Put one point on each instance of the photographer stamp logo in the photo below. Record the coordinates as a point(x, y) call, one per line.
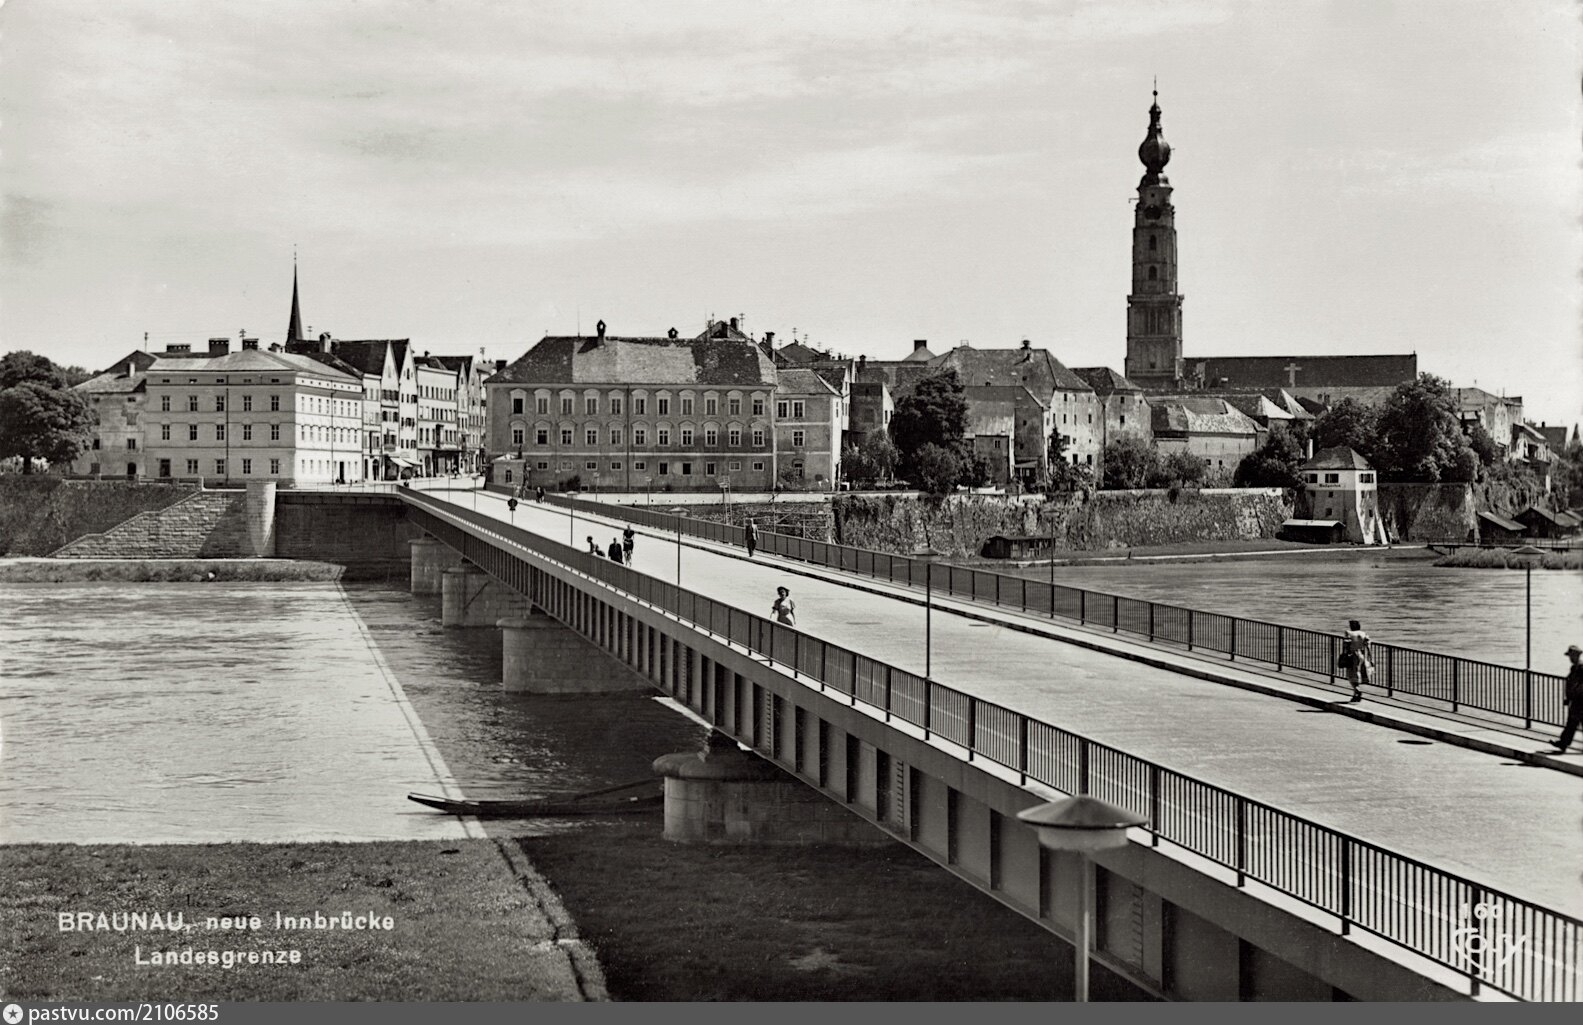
point(1481, 943)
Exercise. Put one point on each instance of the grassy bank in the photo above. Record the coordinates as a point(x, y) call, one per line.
point(39, 512)
point(458, 913)
point(54, 571)
point(682, 922)
point(1502, 558)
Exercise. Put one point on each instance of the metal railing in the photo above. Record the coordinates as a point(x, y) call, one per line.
point(1492, 938)
point(1462, 683)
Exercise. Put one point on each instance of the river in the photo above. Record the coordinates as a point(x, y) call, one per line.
point(201, 713)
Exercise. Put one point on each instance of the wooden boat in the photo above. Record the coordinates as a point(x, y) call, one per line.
point(575, 804)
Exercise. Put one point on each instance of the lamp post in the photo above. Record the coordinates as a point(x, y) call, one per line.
point(928, 556)
point(1529, 555)
point(1081, 825)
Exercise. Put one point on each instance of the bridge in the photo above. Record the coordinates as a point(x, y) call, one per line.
point(1285, 856)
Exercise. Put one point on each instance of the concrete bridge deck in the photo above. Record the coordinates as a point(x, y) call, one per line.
point(1514, 827)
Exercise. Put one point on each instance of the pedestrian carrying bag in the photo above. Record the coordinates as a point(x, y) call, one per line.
point(1344, 660)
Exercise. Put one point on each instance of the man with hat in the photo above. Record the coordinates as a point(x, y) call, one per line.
point(1572, 698)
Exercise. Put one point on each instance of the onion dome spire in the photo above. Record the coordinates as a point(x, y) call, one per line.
point(1155, 151)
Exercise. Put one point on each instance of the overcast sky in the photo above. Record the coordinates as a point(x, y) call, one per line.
point(1351, 177)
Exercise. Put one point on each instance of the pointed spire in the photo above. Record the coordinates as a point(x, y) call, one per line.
point(294, 330)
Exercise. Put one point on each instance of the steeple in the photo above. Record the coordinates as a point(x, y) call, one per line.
point(1154, 306)
point(294, 330)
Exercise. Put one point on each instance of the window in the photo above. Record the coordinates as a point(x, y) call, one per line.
point(734, 407)
point(709, 469)
point(758, 438)
point(566, 405)
point(541, 436)
point(798, 437)
point(274, 403)
point(164, 403)
point(590, 465)
point(711, 437)
point(1332, 478)
point(247, 403)
point(687, 469)
point(94, 468)
point(640, 465)
point(517, 404)
point(192, 466)
point(615, 405)
point(758, 464)
point(780, 409)
point(640, 437)
point(711, 407)
point(542, 464)
point(615, 464)
point(758, 407)
point(192, 432)
point(131, 444)
point(274, 467)
point(640, 406)
point(192, 403)
point(798, 411)
point(1154, 272)
point(1124, 419)
point(687, 407)
point(590, 406)
point(1365, 478)
point(665, 469)
point(247, 432)
point(1154, 243)
point(516, 436)
point(274, 434)
point(566, 435)
point(591, 437)
point(664, 436)
point(164, 432)
point(687, 437)
point(735, 464)
point(219, 467)
point(615, 435)
point(541, 405)
point(247, 466)
point(219, 403)
point(664, 406)
point(736, 437)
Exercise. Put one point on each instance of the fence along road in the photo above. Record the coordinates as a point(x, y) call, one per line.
point(1402, 840)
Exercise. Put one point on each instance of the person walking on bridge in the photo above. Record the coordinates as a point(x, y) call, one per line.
point(784, 608)
point(1572, 700)
point(627, 537)
point(1359, 656)
point(593, 548)
point(750, 537)
point(614, 551)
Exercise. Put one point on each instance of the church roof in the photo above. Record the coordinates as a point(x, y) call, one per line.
point(1255, 373)
point(717, 357)
point(1338, 457)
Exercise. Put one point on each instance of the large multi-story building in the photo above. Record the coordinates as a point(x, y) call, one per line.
point(667, 413)
point(809, 426)
point(439, 434)
point(471, 372)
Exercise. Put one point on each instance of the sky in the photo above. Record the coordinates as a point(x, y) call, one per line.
point(1370, 177)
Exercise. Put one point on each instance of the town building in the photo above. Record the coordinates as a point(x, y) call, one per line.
point(1124, 409)
point(471, 372)
point(1340, 492)
point(439, 435)
point(1498, 415)
point(809, 427)
point(668, 413)
point(1209, 428)
point(1075, 412)
point(118, 398)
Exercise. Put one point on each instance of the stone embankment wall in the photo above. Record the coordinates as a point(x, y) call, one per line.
point(367, 534)
point(960, 524)
point(1428, 512)
point(39, 513)
point(203, 525)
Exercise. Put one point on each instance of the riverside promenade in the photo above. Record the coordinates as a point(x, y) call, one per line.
point(1510, 824)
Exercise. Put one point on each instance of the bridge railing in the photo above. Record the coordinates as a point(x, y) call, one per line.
point(1492, 938)
point(1461, 683)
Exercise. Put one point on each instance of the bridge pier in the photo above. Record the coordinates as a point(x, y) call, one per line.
point(540, 656)
point(469, 597)
point(724, 795)
point(430, 558)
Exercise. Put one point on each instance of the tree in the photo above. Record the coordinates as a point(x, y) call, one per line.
point(1179, 469)
point(1273, 464)
point(21, 366)
point(873, 458)
point(1420, 435)
point(1348, 423)
point(935, 469)
point(1483, 445)
point(40, 422)
point(934, 414)
point(1128, 463)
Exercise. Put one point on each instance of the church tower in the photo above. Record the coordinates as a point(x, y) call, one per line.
point(1154, 309)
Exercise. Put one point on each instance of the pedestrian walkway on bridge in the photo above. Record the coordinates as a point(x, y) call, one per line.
point(1509, 825)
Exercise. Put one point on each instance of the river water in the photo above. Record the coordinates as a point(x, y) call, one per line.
point(1475, 613)
point(184, 713)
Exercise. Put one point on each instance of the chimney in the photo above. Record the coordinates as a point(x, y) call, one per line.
point(919, 343)
point(500, 365)
point(249, 343)
point(183, 347)
point(733, 323)
point(862, 361)
point(600, 327)
point(131, 368)
point(274, 346)
point(1027, 344)
point(671, 333)
point(219, 346)
point(769, 338)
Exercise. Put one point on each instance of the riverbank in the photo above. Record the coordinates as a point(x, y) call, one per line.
point(138, 571)
point(1214, 551)
point(1503, 558)
point(463, 926)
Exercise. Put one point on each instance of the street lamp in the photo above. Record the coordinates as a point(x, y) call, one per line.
point(1528, 555)
point(928, 557)
point(1081, 825)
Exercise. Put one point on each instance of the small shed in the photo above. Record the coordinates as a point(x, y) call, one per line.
point(1324, 532)
point(1019, 549)
point(1498, 528)
point(1544, 523)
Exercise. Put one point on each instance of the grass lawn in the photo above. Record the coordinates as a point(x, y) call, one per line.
point(682, 922)
point(465, 928)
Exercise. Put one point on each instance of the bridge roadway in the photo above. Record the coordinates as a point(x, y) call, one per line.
point(1512, 827)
